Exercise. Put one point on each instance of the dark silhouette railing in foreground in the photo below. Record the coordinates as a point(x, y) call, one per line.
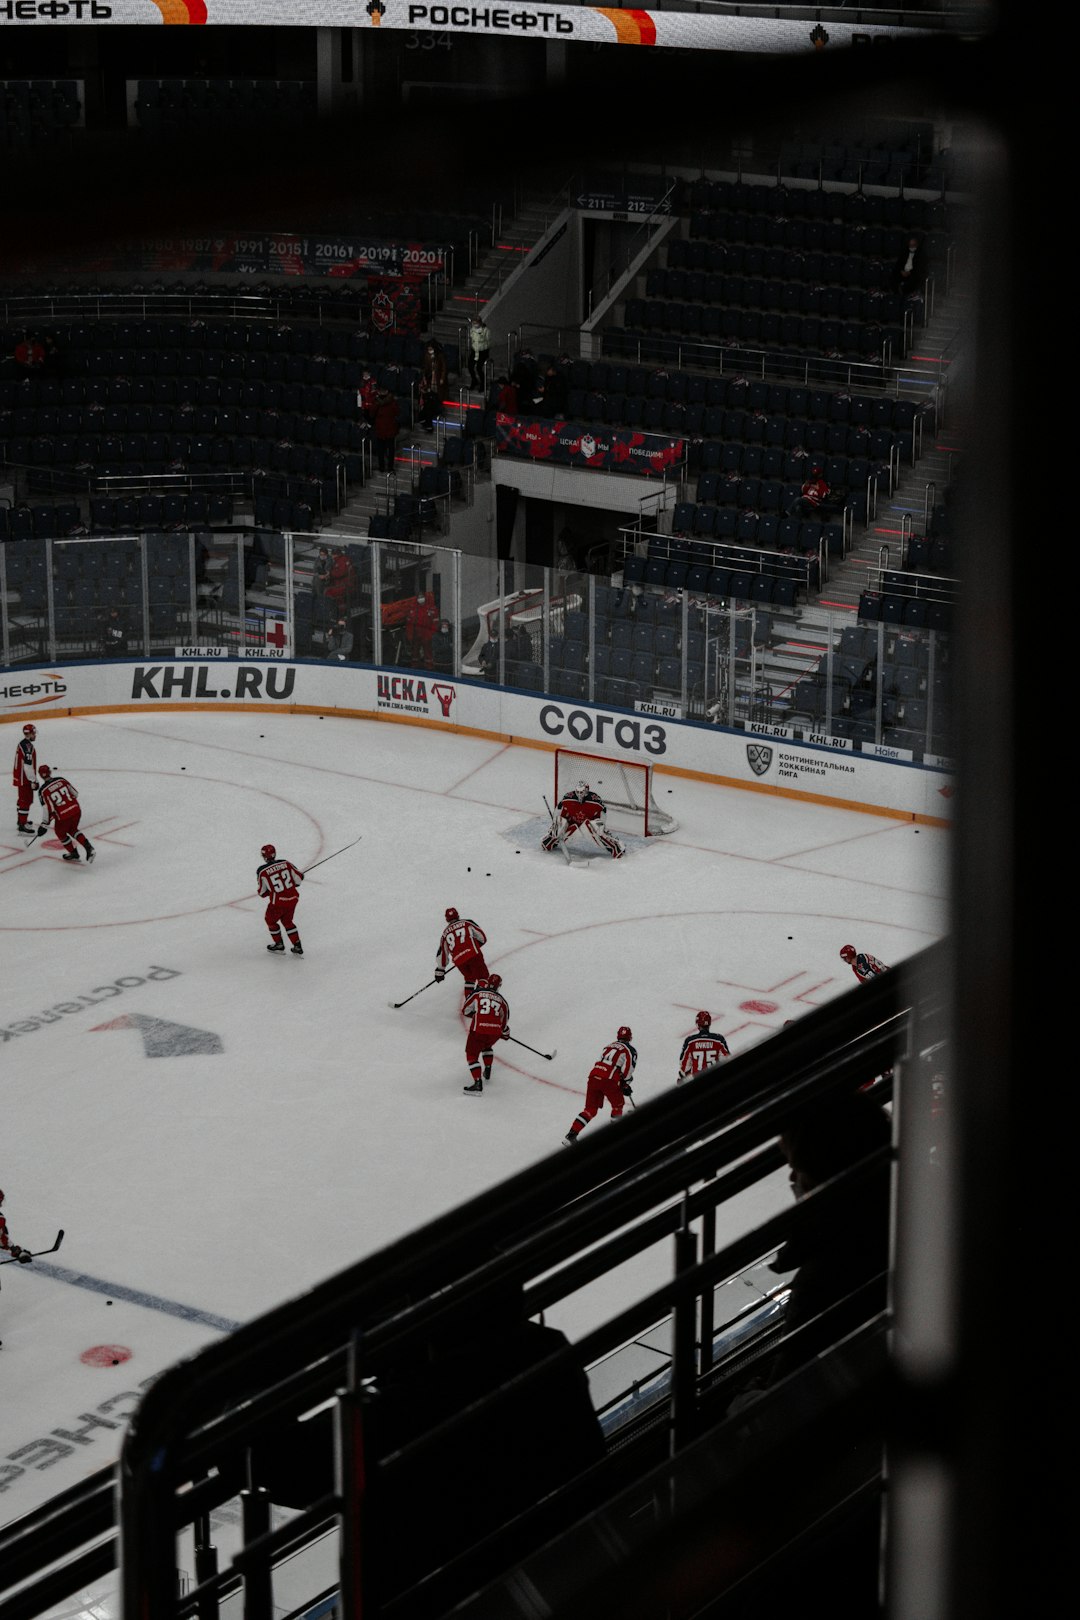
point(457, 1438)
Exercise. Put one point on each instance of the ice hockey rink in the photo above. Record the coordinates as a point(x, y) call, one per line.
point(216, 1128)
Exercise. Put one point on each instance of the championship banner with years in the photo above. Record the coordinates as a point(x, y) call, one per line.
point(578, 444)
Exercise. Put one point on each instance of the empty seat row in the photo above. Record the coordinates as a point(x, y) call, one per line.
point(804, 203)
point(915, 611)
point(870, 301)
point(141, 393)
point(122, 513)
point(748, 328)
point(740, 393)
point(824, 256)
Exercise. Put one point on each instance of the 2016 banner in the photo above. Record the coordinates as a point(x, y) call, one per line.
point(586, 444)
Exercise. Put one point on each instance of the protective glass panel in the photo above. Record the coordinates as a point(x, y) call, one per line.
point(26, 602)
point(333, 599)
point(418, 606)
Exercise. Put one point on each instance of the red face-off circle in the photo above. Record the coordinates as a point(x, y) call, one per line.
point(105, 1355)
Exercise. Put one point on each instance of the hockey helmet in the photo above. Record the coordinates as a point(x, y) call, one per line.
point(451, 914)
point(481, 984)
point(495, 981)
point(44, 772)
point(268, 852)
point(848, 952)
point(29, 731)
point(703, 1020)
point(583, 787)
point(625, 1033)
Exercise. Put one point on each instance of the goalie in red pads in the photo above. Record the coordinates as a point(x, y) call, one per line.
point(488, 1017)
point(609, 1082)
point(461, 945)
point(579, 815)
point(279, 883)
point(701, 1050)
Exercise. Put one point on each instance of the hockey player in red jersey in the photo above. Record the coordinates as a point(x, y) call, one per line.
point(461, 945)
point(862, 964)
point(701, 1050)
point(60, 805)
point(488, 1017)
point(5, 1237)
point(24, 776)
point(580, 814)
point(609, 1081)
point(279, 881)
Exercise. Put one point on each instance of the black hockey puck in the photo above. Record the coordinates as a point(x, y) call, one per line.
point(791, 936)
point(468, 869)
point(108, 1302)
point(487, 874)
point(183, 767)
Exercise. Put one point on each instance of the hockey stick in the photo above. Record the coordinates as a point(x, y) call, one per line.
point(423, 987)
point(326, 858)
point(32, 1254)
point(528, 1048)
point(558, 840)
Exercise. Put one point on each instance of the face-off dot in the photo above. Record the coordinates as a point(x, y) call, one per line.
point(105, 1355)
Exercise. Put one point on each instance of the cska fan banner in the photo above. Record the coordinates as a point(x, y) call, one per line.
point(578, 444)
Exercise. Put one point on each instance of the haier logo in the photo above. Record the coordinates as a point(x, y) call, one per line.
point(192, 681)
point(586, 727)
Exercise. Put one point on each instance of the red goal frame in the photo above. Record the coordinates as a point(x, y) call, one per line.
point(623, 784)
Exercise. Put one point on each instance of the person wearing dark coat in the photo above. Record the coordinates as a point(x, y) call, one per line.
point(909, 270)
point(489, 657)
point(556, 394)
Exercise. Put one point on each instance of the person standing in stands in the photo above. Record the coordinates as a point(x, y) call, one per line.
point(433, 376)
point(479, 352)
point(385, 422)
point(556, 396)
point(421, 622)
point(442, 648)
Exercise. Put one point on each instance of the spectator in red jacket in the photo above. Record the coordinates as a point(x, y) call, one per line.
point(813, 499)
point(421, 623)
point(341, 581)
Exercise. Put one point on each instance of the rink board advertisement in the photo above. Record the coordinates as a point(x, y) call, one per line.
point(762, 758)
point(592, 25)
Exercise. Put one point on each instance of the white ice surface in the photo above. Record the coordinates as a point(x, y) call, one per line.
point(330, 1124)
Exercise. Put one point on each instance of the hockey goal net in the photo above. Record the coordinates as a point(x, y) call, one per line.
point(625, 786)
